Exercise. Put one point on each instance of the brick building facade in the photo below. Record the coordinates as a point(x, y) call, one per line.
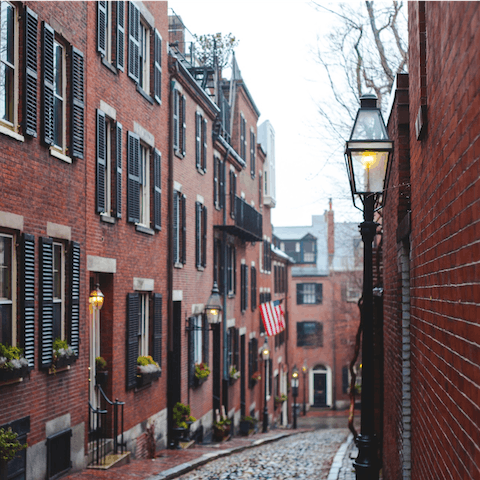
point(430, 251)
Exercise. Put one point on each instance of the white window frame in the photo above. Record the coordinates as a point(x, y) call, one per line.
point(145, 156)
point(13, 290)
point(63, 98)
point(197, 332)
point(4, 122)
point(108, 31)
point(144, 50)
point(144, 324)
point(59, 247)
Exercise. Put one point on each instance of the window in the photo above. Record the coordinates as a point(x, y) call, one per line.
point(56, 321)
point(54, 96)
point(264, 298)
point(197, 323)
point(139, 62)
point(254, 287)
point(253, 146)
point(200, 235)
point(179, 123)
point(233, 192)
point(231, 270)
point(280, 278)
point(111, 32)
point(233, 348)
point(260, 193)
point(252, 361)
point(218, 263)
point(8, 64)
point(198, 341)
point(267, 256)
point(179, 229)
point(309, 334)
point(244, 287)
point(200, 143)
point(109, 166)
point(7, 290)
point(309, 252)
point(144, 330)
point(243, 137)
point(219, 183)
point(140, 179)
point(309, 293)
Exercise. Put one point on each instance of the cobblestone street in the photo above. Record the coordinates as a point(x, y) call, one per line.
point(307, 455)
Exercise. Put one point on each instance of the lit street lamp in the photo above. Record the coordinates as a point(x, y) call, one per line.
point(366, 156)
point(295, 394)
point(304, 371)
point(266, 357)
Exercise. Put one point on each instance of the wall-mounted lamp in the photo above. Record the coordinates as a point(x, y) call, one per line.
point(96, 298)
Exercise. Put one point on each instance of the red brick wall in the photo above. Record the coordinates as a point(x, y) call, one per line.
point(444, 244)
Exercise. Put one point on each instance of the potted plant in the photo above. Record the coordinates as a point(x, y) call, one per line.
point(233, 373)
point(9, 447)
point(279, 400)
point(256, 377)
point(101, 372)
point(147, 370)
point(202, 371)
point(63, 355)
point(181, 422)
point(221, 428)
point(247, 425)
point(13, 365)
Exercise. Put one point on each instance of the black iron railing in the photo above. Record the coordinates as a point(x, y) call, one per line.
point(247, 218)
point(105, 424)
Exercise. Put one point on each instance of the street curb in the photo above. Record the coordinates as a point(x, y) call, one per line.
point(338, 459)
point(208, 457)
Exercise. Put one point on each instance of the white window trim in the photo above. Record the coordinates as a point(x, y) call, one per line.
point(13, 300)
point(143, 324)
point(60, 299)
point(62, 148)
point(146, 61)
point(197, 332)
point(145, 185)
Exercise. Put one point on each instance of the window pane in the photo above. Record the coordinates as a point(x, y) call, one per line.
point(5, 268)
point(7, 65)
point(58, 98)
point(7, 34)
point(57, 271)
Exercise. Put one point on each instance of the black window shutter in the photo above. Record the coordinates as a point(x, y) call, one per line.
point(270, 375)
point(133, 312)
point(101, 161)
point(206, 340)
point(157, 194)
point(133, 187)
point(222, 184)
point(75, 297)
point(157, 328)
point(255, 354)
point(184, 230)
point(158, 67)
point(250, 364)
point(318, 293)
point(300, 335)
point(46, 302)
point(236, 350)
point(246, 287)
point(191, 356)
point(232, 193)
point(118, 168)
point(204, 145)
point(78, 103)
point(204, 237)
point(133, 42)
point(184, 126)
point(216, 167)
point(28, 298)
point(120, 35)
point(31, 73)
point(176, 231)
point(48, 37)
point(176, 120)
point(198, 235)
point(299, 293)
point(254, 288)
point(102, 27)
point(242, 287)
point(198, 132)
point(345, 380)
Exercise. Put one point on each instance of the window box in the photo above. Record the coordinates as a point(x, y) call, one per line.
point(144, 379)
point(8, 375)
point(198, 381)
point(101, 378)
point(61, 364)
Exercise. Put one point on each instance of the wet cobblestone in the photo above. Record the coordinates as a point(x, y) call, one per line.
point(304, 456)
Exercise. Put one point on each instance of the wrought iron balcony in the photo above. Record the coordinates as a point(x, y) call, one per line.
point(247, 222)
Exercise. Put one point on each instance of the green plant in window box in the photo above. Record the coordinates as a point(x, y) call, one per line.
point(202, 370)
point(63, 355)
point(234, 373)
point(13, 364)
point(9, 445)
point(100, 364)
point(146, 364)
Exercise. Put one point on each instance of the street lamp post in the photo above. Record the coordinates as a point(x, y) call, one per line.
point(304, 371)
point(366, 155)
point(295, 394)
point(266, 357)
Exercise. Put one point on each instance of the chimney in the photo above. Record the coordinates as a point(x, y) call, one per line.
point(331, 234)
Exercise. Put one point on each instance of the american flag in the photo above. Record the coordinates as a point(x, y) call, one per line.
point(273, 318)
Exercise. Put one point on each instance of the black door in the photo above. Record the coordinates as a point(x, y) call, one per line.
point(320, 389)
point(216, 372)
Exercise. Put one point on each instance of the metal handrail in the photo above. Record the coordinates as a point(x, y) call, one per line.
point(116, 406)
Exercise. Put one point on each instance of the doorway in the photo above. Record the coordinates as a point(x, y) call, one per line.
point(321, 392)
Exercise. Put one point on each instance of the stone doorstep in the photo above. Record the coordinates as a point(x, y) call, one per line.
point(112, 460)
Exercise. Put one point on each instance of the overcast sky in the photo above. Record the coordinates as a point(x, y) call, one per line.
point(276, 56)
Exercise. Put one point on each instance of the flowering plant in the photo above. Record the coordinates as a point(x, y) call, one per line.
point(146, 364)
point(234, 373)
point(256, 377)
point(11, 358)
point(202, 370)
point(61, 349)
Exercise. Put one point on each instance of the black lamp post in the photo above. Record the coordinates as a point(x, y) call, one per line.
point(304, 371)
point(366, 156)
point(266, 357)
point(295, 394)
